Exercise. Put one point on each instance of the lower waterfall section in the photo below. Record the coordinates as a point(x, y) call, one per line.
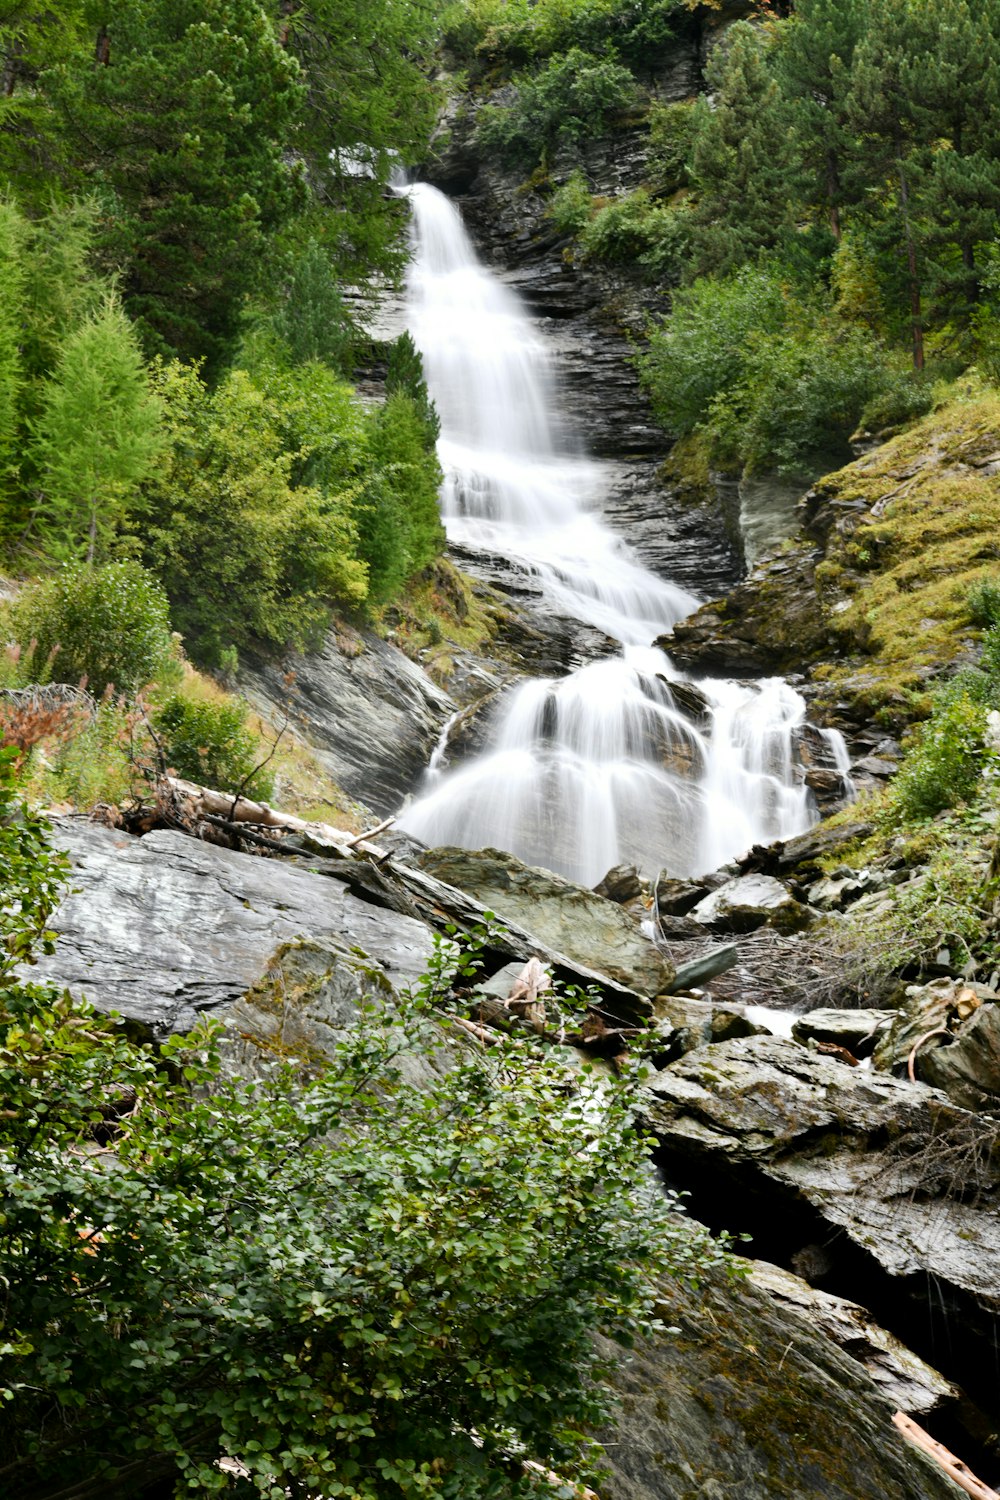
point(622, 759)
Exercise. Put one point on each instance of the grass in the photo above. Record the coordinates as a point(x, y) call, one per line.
point(896, 585)
point(439, 615)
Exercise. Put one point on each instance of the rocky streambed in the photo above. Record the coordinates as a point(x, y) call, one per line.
point(871, 1198)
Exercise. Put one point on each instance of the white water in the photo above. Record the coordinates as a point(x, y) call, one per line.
point(588, 770)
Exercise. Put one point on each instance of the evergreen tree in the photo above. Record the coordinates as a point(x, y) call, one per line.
point(406, 373)
point(814, 58)
point(97, 436)
point(741, 164)
point(12, 236)
point(311, 319)
point(893, 129)
point(954, 90)
point(187, 122)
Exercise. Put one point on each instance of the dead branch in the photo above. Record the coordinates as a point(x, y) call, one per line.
point(956, 1470)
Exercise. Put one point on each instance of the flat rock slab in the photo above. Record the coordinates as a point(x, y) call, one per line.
point(749, 1400)
point(165, 927)
point(570, 918)
point(897, 1184)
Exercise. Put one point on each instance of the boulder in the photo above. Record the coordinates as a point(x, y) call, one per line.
point(857, 1030)
point(569, 918)
point(685, 1022)
point(751, 901)
point(621, 884)
point(939, 1007)
point(372, 715)
point(968, 1070)
point(676, 898)
point(166, 927)
point(898, 1185)
point(749, 1398)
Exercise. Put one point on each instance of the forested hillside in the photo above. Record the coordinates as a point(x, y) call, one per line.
point(188, 191)
point(824, 210)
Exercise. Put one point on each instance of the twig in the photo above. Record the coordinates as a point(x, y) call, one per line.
point(938, 1031)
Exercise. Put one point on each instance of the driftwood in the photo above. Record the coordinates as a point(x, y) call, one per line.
point(524, 1000)
point(956, 1470)
point(911, 1060)
point(201, 801)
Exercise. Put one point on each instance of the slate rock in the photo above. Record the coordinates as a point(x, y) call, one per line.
point(857, 1030)
point(570, 918)
point(749, 902)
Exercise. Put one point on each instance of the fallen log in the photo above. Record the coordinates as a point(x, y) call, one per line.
point(325, 839)
point(956, 1470)
point(700, 970)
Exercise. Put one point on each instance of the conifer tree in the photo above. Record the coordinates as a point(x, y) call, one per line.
point(814, 58)
point(12, 235)
point(97, 436)
point(954, 89)
point(741, 163)
point(894, 130)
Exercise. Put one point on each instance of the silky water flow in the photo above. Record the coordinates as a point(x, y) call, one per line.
point(602, 766)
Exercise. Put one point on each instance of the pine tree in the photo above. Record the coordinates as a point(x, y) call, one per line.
point(12, 236)
point(954, 88)
point(97, 437)
point(893, 132)
point(741, 164)
point(814, 58)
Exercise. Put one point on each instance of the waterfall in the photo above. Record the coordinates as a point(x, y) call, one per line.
point(622, 759)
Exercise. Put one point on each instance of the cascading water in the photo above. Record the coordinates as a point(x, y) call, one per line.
point(612, 762)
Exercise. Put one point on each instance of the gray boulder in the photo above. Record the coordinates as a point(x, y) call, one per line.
point(569, 918)
point(749, 902)
point(750, 1399)
point(166, 927)
point(857, 1030)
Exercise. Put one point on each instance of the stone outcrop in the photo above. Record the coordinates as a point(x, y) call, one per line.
point(896, 1186)
point(372, 715)
point(570, 918)
point(751, 1399)
point(751, 901)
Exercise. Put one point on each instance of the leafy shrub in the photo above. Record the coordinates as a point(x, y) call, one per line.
point(902, 398)
point(405, 373)
point(529, 30)
point(359, 1286)
point(672, 132)
point(636, 230)
point(399, 522)
point(311, 317)
point(572, 98)
point(246, 549)
point(212, 744)
point(571, 204)
point(945, 765)
point(109, 625)
point(984, 603)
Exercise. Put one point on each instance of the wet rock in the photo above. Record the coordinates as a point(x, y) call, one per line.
point(166, 927)
point(372, 715)
point(570, 918)
point(968, 1070)
point(687, 1023)
point(857, 1030)
point(752, 901)
point(899, 1185)
point(676, 898)
point(905, 1381)
point(750, 1399)
point(836, 892)
point(621, 884)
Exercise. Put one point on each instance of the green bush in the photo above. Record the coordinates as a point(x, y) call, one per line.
point(398, 518)
point(574, 97)
point(110, 626)
point(984, 603)
point(571, 204)
point(212, 744)
point(516, 31)
point(359, 1287)
point(902, 398)
point(637, 231)
point(945, 765)
point(672, 132)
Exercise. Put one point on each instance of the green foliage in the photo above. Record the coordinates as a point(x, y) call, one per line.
point(356, 1286)
point(108, 625)
point(984, 604)
point(11, 316)
point(31, 878)
point(635, 230)
point(97, 436)
point(514, 31)
point(573, 97)
point(311, 319)
point(945, 766)
point(572, 204)
point(244, 551)
point(672, 133)
point(399, 523)
point(211, 743)
point(405, 373)
point(904, 397)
